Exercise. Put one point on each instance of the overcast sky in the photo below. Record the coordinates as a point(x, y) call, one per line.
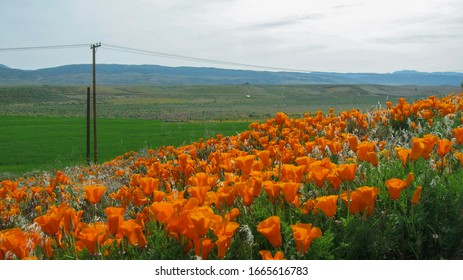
point(313, 35)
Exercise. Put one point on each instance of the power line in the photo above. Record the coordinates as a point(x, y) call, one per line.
point(191, 58)
point(45, 47)
point(153, 53)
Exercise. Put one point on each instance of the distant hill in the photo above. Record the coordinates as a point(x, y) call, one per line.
point(114, 74)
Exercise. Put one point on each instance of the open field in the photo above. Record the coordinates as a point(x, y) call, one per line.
point(44, 143)
point(209, 102)
point(43, 126)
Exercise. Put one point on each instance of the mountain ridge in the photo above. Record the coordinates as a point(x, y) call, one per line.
point(149, 74)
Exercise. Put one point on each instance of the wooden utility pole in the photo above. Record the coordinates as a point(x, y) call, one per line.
point(95, 146)
point(88, 125)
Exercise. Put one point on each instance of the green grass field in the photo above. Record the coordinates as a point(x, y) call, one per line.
point(29, 144)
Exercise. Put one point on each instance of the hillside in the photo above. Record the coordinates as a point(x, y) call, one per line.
point(116, 74)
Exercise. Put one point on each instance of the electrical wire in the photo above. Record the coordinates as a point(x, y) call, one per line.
point(195, 59)
point(45, 47)
point(124, 49)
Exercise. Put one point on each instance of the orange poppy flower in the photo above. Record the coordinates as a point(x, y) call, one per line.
point(372, 158)
point(115, 218)
point(267, 255)
point(290, 190)
point(347, 172)
point(418, 147)
point(304, 234)
point(459, 156)
point(94, 193)
point(443, 147)
point(458, 132)
point(318, 175)
point(149, 185)
point(247, 191)
point(353, 142)
point(158, 196)
point(50, 223)
point(416, 195)
point(245, 163)
point(206, 246)
point(409, 179)
point(290, 172)
point(226, 229)
point(395, 187)
point(272, 189)
point(429, 141)
point(264, 156)
point(403, 155)
point(202, 179)
point(92, 236)
point(14, 240)
point(224, 232)
point(308, 206)
point(328, 204)
point(201, 220)
point(162, 211)
point(124, 195)
point(363, 149)
point(199, 193)
point(361, 199)
point(222, 246)
point(270, 228)
point(225, 195)
point(134, 233)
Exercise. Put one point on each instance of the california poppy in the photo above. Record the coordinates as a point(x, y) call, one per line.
point(201, 220)
point(50, 223)
point(224, 232)
point(244, 163)
point(199, 192)
point(361, 199)
point(395, 187)
point(418, 147)
point(162, 211)
point(304, 234)
point(416, 195)
point(328, 204)
point(290, 190)
point(222, 246)
point(14, 240)
point(318, 174)
point(272, 189)
point(363, 149)
point(94, 193)
point(247, 191)
point(206, 246)
point(134, 233)
point(115, 218)
point(403, 155)
point(458, 132)
point(347, 171)
point(149, 185)
point(443, 147)
point(409, 179)
point(92, 236)
point(429, 141)
point(270, 228)
point(264, 156)
point(353, 142)
point(267, 255)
